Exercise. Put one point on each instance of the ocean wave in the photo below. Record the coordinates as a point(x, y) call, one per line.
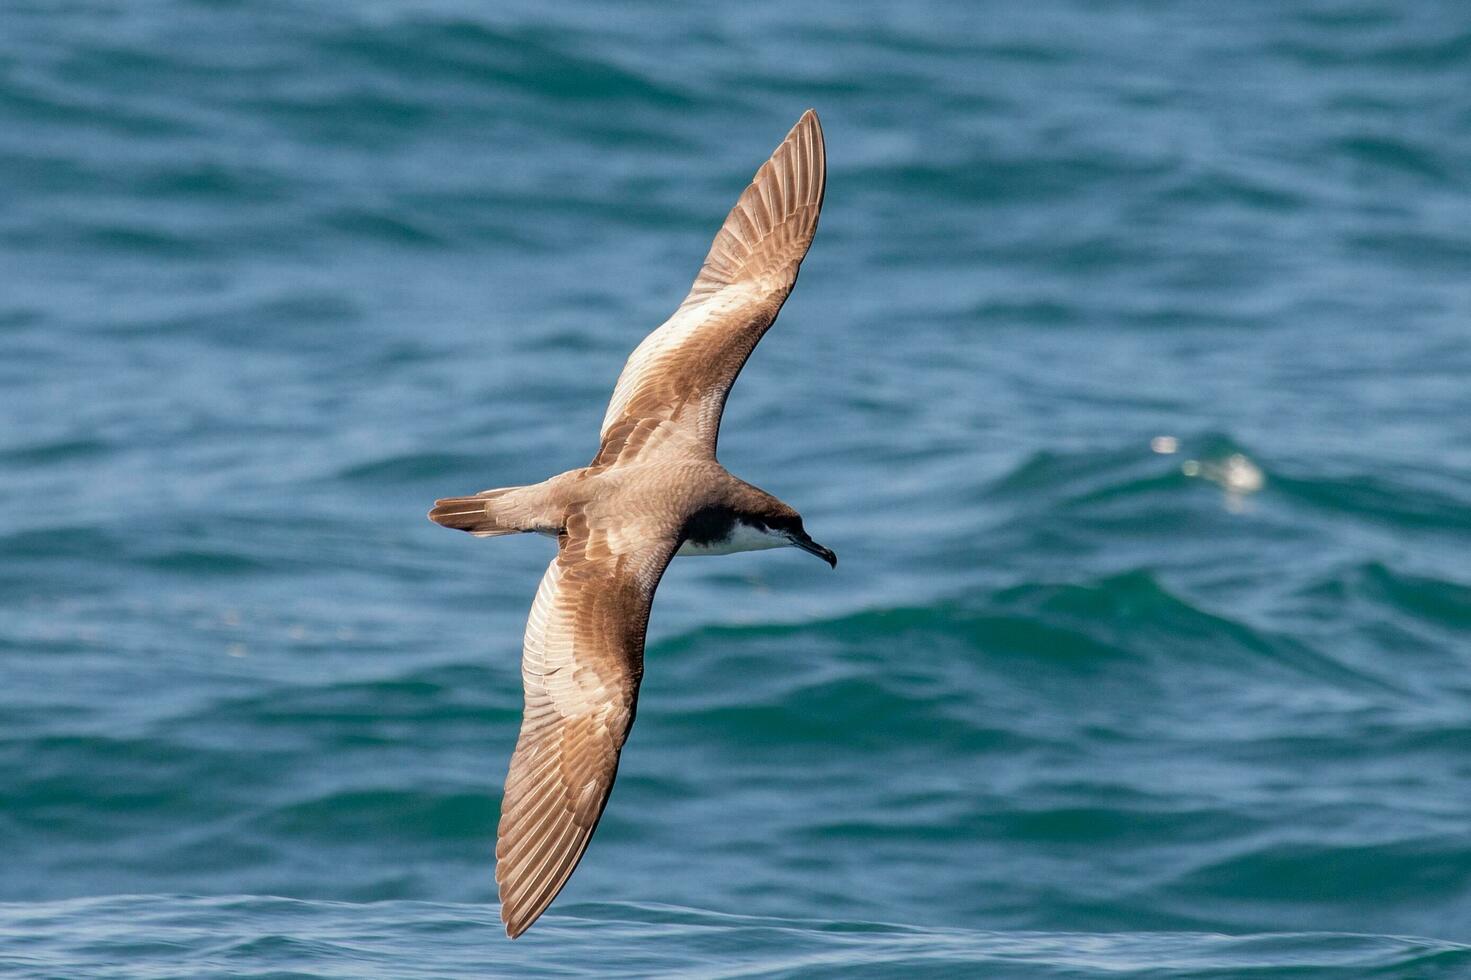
point(54, 451)
point(541, 63)
point(156, 936)
point(368, 814)
point(1141, 491)
point(412, 468)
point(1439, 52)
point(1428, 599)
point(965, 673)
point(1429, 502)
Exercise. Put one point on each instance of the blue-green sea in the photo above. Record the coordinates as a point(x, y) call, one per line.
point(1129, 376)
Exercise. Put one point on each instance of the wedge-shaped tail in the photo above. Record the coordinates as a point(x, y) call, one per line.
point(490, 512)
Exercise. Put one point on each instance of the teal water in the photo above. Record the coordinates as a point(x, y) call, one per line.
point(275, 276)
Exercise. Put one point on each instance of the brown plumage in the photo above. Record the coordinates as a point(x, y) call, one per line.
point(654, 490)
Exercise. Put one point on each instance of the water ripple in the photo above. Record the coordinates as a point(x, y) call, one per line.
point(164, 936)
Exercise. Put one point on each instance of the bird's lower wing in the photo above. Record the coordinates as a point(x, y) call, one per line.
point(582, 663)
point(680, 375)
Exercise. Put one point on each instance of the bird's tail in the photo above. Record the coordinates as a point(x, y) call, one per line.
point(487, 514)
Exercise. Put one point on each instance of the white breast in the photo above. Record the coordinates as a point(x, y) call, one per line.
point(743, 537)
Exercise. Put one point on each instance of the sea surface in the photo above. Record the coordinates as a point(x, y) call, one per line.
point(1129, 376)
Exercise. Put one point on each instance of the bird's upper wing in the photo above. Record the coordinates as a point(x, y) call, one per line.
point(675, 383)
point(581, 666)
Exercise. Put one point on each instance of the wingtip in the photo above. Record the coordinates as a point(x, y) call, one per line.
point(513, 929)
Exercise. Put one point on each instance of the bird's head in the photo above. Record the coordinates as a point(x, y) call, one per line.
point(788, 526)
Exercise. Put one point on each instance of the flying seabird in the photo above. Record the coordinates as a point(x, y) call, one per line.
point(655, 490)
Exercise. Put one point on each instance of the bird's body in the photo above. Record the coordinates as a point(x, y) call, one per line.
point(655, 490)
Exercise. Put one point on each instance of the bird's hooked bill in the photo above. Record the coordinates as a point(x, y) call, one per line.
point(813, 548)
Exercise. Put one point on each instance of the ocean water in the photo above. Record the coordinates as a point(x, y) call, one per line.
point(1129, 376)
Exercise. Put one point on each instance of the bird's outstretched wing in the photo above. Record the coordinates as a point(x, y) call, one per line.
point(581, 666)
point(675, 383)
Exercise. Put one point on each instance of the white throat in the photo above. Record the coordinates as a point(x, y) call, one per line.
point(743, 537)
